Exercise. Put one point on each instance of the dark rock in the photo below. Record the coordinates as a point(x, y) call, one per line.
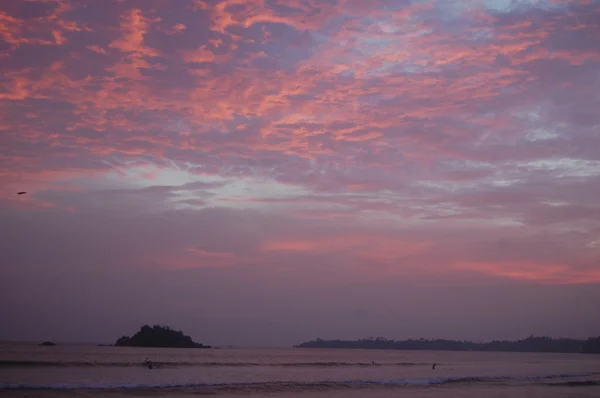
point(158, 336)
point(48, 343)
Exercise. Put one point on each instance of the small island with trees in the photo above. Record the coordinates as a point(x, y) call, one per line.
point(159, 336)
point(530, 344)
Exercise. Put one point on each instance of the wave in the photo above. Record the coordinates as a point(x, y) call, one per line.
point(575, 383)
point(25, 364)
point(279, 386)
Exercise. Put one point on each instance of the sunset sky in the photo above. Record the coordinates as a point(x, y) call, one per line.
point(261, 172)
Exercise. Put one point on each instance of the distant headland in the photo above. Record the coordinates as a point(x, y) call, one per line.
point(159, 336)
point(530, 344)
point(591, 346)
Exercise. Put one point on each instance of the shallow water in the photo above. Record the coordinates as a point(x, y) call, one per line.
point(70, 370)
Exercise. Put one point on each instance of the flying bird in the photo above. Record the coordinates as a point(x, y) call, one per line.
point(21, 193)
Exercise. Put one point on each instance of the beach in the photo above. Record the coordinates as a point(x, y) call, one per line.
point(27, 370)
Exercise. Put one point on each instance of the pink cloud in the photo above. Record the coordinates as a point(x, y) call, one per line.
point(176, 29)
point(358, 141)
point(97, 49)
point(381, 248)
point(549, 273)
point(212, 255)
point(134, 26)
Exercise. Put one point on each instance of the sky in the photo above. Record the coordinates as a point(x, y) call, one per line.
point(266, 172)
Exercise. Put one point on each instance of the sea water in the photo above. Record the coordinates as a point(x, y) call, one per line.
point(28, 370)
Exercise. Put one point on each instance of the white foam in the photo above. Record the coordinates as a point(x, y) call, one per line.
point(347, 383)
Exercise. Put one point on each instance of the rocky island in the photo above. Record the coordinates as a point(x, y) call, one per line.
point(47, 344)
point(159, 336)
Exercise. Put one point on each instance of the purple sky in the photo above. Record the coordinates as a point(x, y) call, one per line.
point(271, 171)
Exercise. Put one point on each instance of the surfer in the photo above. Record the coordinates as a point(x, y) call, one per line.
point(433, 367)
point(148, 363)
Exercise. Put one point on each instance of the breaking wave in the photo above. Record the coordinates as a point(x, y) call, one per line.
point(279, 386)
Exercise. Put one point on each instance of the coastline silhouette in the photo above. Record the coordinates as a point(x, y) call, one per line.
point(530, 344)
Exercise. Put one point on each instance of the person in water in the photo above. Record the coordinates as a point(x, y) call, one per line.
point(148, 363)
point(433, 367)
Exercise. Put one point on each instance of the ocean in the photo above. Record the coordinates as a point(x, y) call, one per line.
point(28, 370)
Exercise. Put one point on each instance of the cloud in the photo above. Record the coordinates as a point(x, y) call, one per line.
point(545, 272)
point(330, 143)
point(176, 29)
